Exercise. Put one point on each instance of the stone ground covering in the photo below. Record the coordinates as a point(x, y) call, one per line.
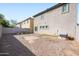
point(34, 44)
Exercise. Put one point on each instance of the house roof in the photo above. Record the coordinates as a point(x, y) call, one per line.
point(51, 8)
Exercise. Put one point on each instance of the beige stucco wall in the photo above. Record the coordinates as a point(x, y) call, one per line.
point(77, 32)
point(31, 25)
point(18, 25)
point(25, 24)
point(57, 21)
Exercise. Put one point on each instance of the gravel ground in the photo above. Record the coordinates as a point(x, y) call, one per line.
point(39, 45)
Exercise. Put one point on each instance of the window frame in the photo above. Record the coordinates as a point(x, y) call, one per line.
point(42, 16)
point(36, 28)
point(46, 26)
point(27, 21)
point(64, 10)
point(43, 27)
point(40, 27)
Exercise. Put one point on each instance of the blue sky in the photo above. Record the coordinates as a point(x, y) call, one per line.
point(78, 13)
point(21, 11)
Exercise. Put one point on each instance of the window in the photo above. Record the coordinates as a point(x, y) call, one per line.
point(46, 26)
point(40, 26)
point(42, 16)
point(24, 22)
point(43, 26)
point(65, 8)
point(35, 28)
point(27, 21)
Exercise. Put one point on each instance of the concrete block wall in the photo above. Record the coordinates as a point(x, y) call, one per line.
point(0, 31)
point(9, 30)
point(14, 30)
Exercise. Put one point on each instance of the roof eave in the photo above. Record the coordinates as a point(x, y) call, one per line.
point(51, 8)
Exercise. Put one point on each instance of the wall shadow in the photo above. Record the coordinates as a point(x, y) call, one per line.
point(10, 46)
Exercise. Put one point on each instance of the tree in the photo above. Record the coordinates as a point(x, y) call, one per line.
point(3, 22)
point(13, 23)
point(1, 16)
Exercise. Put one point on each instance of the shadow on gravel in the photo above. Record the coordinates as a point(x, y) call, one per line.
point(10, 46)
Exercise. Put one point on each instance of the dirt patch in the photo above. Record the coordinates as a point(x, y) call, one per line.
point(41, 45)
point(31, 39)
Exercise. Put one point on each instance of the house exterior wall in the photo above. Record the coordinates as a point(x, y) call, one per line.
point(57, 21)
point(77, 32)
point(31, 25)
point(27, 24)
point(18, 25)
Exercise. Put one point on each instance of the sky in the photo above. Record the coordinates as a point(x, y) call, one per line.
point(78, 13)
point(21, 11)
